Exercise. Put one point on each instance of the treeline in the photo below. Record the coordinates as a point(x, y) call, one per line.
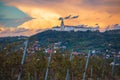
point(81, 40)
point(78, 40)
point(35, 67)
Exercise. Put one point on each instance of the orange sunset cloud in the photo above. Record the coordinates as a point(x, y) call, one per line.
point(49, 12)
point(45, 13)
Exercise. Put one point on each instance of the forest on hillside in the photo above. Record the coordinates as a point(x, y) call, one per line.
point(80, 40)
point(36, 64)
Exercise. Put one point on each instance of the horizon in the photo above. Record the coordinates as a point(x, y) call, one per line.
point(27, 17)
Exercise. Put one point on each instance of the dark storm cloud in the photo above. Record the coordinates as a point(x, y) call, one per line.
point(67, 17)
point(75, 17)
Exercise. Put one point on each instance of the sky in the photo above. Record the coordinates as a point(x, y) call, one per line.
point(28, 17)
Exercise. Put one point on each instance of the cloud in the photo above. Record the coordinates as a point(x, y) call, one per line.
point(74, 17)
point(116, 26)
point(38, 30)
point(101, 3)
point(34, 1)
point(16, 31)
point(113, 27)
point(11, 16)
point(2, 27)
point(13, 22)
point(97, 18)
point(2, 15)
point(47, 12)
point(110, 16)
point(20, 30)
point(63, 4)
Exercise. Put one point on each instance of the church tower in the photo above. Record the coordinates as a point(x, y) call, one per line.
point(62, 25)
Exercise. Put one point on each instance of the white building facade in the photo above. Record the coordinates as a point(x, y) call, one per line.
point(75, 28)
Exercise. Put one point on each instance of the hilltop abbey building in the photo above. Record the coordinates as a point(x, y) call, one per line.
point(63, 27)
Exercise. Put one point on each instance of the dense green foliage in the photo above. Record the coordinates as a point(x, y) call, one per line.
point(36, 64)
point(81, 40)
point(11, 42)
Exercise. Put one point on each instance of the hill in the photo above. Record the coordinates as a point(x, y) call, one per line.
point(80, 40)
point(11, 41)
